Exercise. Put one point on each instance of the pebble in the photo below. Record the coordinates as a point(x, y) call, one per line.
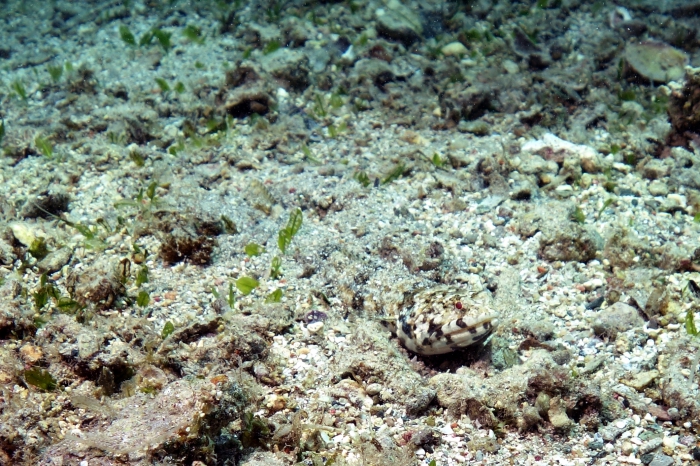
point(454, 48)
point(629, 460)
point(615, 319)
point(596, 444)
point(480, 128)
point(593, 284)
point(373, 389)
point(621, 424)
point(696, 453)
point(315, 327)
point(658, 188)
point(23, 233)
point(627, 447)
point(614, 430)
point(661, 460)
point(30, 354)
point(447, 430)
point(671, 441)
point(511, 67)
point(650, 445)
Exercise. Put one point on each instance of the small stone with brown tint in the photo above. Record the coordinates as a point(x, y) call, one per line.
point(30, 354)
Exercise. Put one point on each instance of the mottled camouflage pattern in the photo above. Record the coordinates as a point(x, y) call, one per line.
point(443, 319)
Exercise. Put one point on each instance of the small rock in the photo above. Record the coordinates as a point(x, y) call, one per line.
point(55, 260)
point(642, 379)
point(586, 180)
point(593, 365)
point(682, 111)
point(658, 188)
point(650, 445)
point(7, 254)
point(570, 242)
point(551, 147)
point(454, 48)
point(326, 170)
point(399, 22)
point(23, 233)
point(542, 403)
point(561, 357)
point(372, 71)
point(661, 460)
point(696, 453)
point(511, 67)
point(5, 377)
point(470, 238)
point(489, 203)
point(424, 437)
point(542, 330)
point(593, 283)
point(687, 440)
point(659, 413)
point(522, 190)
point(478, 127)
point(530, 418)
point(632, 28)
point(596, 444)
point(535, 164)
point(315, 327)
point(656, 61)
point(627, 447)
point(614, 429)
point(615, 319)
point(655, 169)
point(420, 400)
point(373, 389)
point(30, 354)
point(631, 109)
point(289, 67)
point(557, 414)
point(671, 441)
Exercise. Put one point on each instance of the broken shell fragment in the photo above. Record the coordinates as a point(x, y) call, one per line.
point(656, 61)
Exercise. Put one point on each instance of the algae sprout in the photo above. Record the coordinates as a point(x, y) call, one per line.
point(19, 89)
point(43, 146)
point(40, 378)
point(286, 234)
point(274, 297)
point(168, 329)
point(127, 36)
point(253, 249)
point(394, 174)
point(691, 329)
point(246, 285)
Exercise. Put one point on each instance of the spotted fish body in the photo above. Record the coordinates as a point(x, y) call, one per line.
point(444, 319)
